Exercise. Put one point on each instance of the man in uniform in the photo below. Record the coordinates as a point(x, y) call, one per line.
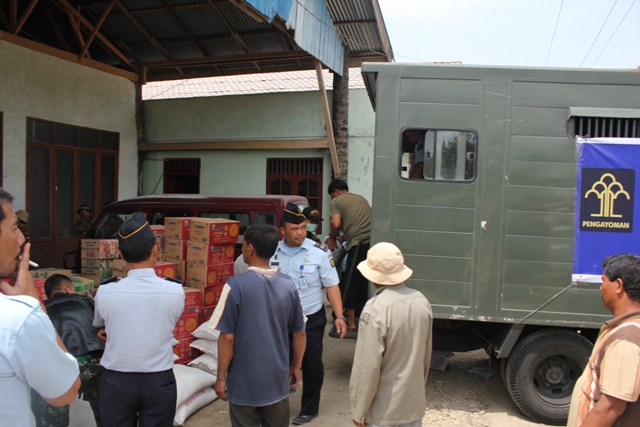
point(72, 317)
point(351, 214)
point(83, 223)
point(139, 314)
point(607, 392)
point(31, 352)
point(311, 267)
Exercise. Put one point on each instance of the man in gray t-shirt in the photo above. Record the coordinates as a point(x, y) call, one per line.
point(257, 313)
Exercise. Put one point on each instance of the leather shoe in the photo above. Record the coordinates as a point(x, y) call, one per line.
point(303, 419)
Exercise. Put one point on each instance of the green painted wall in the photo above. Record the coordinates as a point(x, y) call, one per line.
point(43, 87)
point(245, 117)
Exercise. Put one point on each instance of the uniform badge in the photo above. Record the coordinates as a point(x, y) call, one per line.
point(306, 260)
point(333, 264)
point(276, 257)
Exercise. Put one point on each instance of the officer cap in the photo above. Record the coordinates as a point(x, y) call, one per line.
point(312, 213)
point(134, 233)
point(292, 214)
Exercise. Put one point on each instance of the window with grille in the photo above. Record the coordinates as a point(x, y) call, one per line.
point(300, 177)
point(606, 127)
point(181, 176)
point(67, 166)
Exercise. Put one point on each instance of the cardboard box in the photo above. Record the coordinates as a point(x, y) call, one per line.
point(199, 253)
point(161, 257)
point(187, 323)
point(184, 351)
point(99, 248)
point(211, 297)
point(95, 274)
point(165, 269)
point(181, 270)
point(39, 284)
point(175, 250)
point(192, 300)
point(204, 276)
point(82, 284)
point(206, 314)
point(177, 228)
point(118, 268)
point(158, 232)
point(214, 231)
point(44, 273)
point(101, 264)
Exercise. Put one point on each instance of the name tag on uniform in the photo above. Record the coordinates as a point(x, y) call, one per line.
point(302, 282)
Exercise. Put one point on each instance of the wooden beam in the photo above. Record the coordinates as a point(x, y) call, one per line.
point(71, 57)
point(250, 10)
point(24, 16)
point(234, 33)
point(154, 42)
point(342, 24)
point(96, 28)
point(13, 15)
point(65, 4)
point(327, 120)
point(56, 29)
point(75, 27)
point(230, 59)
point(264, 144)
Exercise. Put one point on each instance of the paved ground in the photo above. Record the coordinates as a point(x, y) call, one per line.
point(455, 397)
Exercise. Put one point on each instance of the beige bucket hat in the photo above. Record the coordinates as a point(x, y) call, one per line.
point(385, 265)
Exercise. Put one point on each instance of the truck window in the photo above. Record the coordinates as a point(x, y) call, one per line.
point(266, 218)
point(157, 217)
point(438, 154)
point(109, 225)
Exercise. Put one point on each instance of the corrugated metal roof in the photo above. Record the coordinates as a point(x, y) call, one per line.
point(188, 38)
point(249, 84)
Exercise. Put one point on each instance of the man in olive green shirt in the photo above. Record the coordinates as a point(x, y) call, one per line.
point(393, 351)
point(351, 214)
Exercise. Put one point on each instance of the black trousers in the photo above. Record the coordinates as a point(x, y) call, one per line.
point(129, 397)
point(312, 367)
point(275, 415)
point(357, 290)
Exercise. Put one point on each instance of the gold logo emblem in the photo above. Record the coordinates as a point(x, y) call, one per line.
point(607, 189)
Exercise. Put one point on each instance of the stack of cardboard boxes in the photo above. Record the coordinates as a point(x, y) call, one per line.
point(210, 256)
point(203, 250)
point(96, 258)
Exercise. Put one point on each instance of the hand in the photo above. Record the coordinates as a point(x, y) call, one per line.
point(102, 335)
point(331, 243)
point(24, 282)
point(359, 424)
point(341, 327)
point(220, 387)
point(295, 376)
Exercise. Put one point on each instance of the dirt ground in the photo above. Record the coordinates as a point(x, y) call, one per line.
point(455, 397)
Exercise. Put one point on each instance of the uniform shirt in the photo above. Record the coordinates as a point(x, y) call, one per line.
point(261, 308)
point(355, 214)
point(613, 369)
point(139, 313)
point(391, 362)
point(317, 271)
point(29, 358)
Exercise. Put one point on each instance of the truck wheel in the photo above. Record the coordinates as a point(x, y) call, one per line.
point(542, 370)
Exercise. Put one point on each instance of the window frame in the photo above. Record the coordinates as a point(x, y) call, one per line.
point(426, 129)
point(52, 148)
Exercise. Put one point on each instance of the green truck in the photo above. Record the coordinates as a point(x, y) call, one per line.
point(475, 181)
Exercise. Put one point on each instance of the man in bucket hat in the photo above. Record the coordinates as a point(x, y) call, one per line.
point(138, 314)
point(393, 351)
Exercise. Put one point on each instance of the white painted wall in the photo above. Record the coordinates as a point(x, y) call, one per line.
point(245, 117)
point(40, 86)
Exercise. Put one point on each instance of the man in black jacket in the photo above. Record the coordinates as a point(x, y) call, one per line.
point(72, 316)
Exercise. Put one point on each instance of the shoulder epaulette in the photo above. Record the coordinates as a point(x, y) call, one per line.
point(321, 246)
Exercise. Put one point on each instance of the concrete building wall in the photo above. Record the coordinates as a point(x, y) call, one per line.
point(249, 117)
point(40, 86)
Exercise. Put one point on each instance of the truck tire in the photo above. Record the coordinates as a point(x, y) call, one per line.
point(542, 370)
